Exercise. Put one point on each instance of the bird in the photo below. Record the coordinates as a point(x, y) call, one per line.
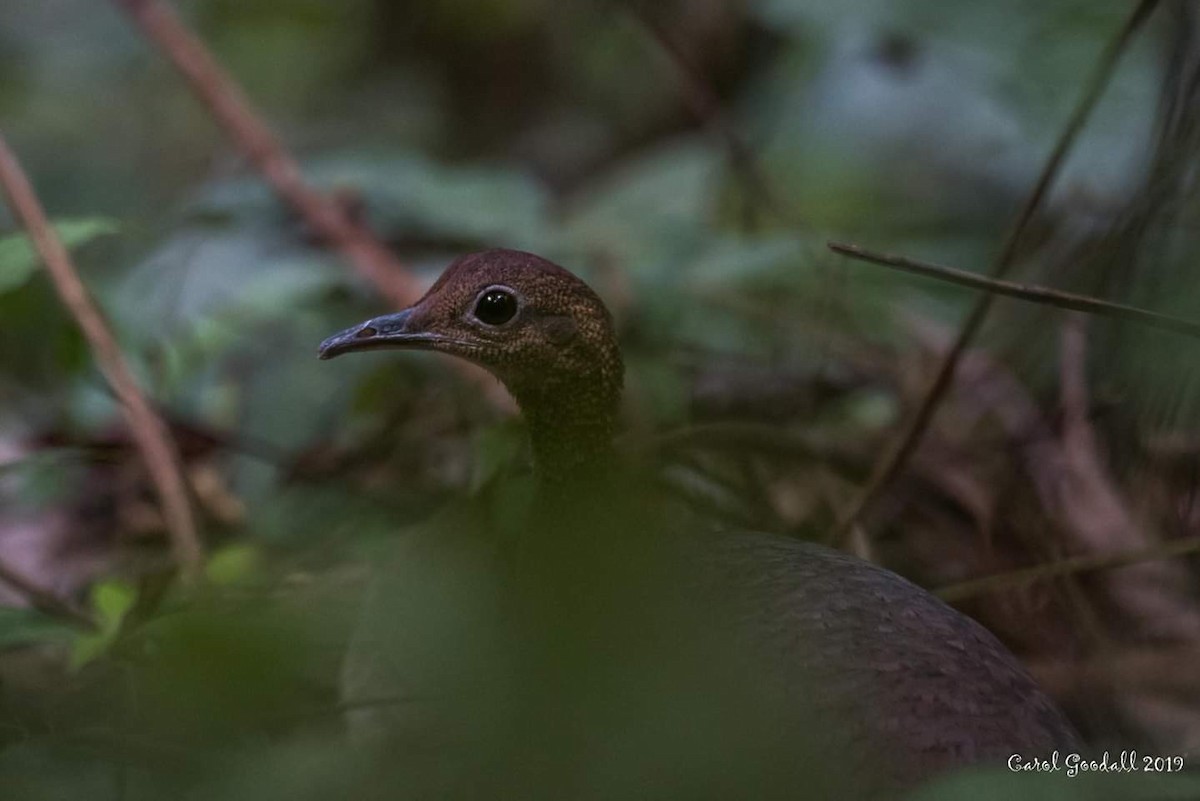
point(829, 660)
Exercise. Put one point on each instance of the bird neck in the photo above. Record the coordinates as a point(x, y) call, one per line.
point(571, 426)
point(566, 449)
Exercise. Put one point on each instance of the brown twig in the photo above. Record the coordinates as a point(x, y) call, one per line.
point(233, 111)
point(706, 107)
point(148, 430)
point(43, 600)
point(1157, 595)
point(1030, 292)
point(1070, 566)
point(231, 108)
point(889, 465)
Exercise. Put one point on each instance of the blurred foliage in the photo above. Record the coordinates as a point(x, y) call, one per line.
point(18, 261)
point(452, 125)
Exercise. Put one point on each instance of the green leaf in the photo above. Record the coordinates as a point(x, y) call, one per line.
point(654, 209)
point(18, 260)
point(407, 194)
point(25, 626)
point(111, 601)
point(42, 478)
point(88, 648)
point(472, 202)
point(232, 564)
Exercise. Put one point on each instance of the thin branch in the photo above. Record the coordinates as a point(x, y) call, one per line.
point(44, 600)
point(1030, 292)
point(229, 105)
point(148, 430)
point(1070, 566)
point(707, 109)
point(233, 110)
point(894, 457)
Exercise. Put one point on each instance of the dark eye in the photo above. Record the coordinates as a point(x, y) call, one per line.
point(496, 307)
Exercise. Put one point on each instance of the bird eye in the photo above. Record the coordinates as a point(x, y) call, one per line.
point(496, 307)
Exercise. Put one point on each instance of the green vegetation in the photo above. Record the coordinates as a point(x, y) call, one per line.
point(765, 374)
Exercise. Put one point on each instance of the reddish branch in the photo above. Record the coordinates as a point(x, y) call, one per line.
point(149, 432)
point(889, 465)
point(331, 220)
point(233, 111)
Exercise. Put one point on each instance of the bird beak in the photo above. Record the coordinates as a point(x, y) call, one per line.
point(389, 331)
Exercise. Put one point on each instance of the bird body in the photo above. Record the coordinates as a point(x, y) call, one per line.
point(929, 688)
point(611, 618)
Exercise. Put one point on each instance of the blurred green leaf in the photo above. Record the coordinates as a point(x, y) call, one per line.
point(232, 564)
point(409, 195)
point(203, 273)
point(43, 478)
point(110, 600)
point(496, 447)
point(25, 626)
point(652, 208)
point(18, 260)
point(88, 648)
point(734, 260)
point(477, 202)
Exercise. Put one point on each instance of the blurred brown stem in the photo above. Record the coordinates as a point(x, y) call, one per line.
point(889, 465)
point(230, 107)
point(707, 109)
point(43, 600)
point(148, 430)
point(1070, 566)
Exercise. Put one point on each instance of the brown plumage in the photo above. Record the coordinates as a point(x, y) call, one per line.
point(914, 687)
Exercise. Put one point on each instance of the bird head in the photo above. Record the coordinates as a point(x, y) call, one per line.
point(539, 329)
